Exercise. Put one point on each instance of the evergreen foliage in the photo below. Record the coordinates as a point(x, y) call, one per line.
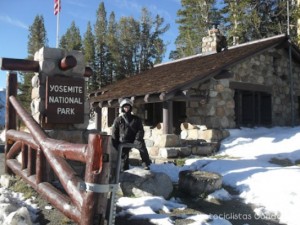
point(117, 49)
point(194, 19)
point(71, 40)
point(239, 20)
point(125, 47)
point(100, 45)
point(113, 44)
point(37, 39)
point(89, 55)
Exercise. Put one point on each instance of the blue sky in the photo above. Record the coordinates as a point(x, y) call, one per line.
point(17, 15)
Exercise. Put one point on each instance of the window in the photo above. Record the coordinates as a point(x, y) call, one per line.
point(253, 108)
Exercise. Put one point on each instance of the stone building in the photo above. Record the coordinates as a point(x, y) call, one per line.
point(245, 85)
point(188, 104)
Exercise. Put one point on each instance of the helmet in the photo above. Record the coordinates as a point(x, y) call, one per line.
point(126, 101)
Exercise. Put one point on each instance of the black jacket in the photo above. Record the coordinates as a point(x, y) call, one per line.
point(127, 133)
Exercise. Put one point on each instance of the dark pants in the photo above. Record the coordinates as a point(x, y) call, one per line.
point(143, 153)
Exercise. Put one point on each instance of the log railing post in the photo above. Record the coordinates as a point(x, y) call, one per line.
point(104, 178)
point(24, 152)
point(10, 115)
point(40, 166)
point(92, 172)
point(31, 162)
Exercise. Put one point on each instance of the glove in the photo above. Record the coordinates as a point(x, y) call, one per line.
point(138, 143)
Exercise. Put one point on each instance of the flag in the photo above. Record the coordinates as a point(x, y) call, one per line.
point(57, 7)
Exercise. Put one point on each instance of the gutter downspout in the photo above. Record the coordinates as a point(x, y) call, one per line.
point(291, 85)
point(290, 68)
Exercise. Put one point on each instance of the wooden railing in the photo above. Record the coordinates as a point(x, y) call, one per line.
point(40, 152)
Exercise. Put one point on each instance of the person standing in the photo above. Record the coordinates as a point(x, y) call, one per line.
point(128, 128)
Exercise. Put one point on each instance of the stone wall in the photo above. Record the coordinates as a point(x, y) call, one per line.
point(272, 69)
point(218, 110)
point(193, 140)
point(269, 69)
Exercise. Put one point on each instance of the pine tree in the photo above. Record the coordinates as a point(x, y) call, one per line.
point(101, 48)
point(141, 45)
point(158, 45)
point(194, 20)
point(241, 21)
point(113, 56)
point(151, 45)
point(37, 39)
point(126, 47)
point(238, 19)
point(71, 40)
point(129, 33)
point(89, 56)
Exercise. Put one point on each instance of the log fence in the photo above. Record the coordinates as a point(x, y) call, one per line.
point(80, 204)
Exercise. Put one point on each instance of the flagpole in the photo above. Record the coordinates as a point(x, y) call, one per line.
point(57, 24)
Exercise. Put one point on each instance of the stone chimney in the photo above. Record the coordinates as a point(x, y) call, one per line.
point(214, 42)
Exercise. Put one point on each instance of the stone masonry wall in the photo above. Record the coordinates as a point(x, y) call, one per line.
point(218, 110)
point(270, 69)
point(48, 59)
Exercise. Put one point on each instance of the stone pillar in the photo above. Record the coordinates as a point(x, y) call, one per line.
point(66, 87)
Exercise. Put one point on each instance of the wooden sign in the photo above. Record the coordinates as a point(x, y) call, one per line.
point(64, 100)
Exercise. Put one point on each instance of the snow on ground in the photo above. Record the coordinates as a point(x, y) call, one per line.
point(244, 161)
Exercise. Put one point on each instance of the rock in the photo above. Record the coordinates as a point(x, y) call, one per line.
point(167, 140)
point(184, 151)
point(197, 183)
point(206, 148)
point(5, 181)
point(21, 216)
point(192, 134)
point(5, 210)
point(184, 134)
point(137, 182)
point(187, 126)
point(212, 134)
point(168, 152)
point(154, 151)
point(174, 152)
point(149, 143)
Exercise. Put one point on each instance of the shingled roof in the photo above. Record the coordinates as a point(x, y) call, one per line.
point(167, 79)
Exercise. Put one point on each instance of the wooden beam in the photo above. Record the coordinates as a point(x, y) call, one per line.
point(98, 118)
point(224, 74)
point(19, 65)
point(67, 63)
point(162, 96)
point(250, 87)
point(88, 72)
point(167, 117)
